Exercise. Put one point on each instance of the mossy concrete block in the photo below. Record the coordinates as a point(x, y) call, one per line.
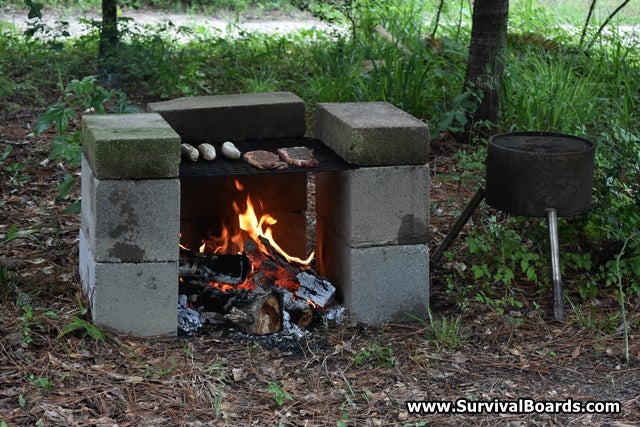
point(130, 146)
point(372, 133)
point(239, 117)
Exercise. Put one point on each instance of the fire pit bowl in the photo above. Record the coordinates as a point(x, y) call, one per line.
point(535, 174)
point(531, 172)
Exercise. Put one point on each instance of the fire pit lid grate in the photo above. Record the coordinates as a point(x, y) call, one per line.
point(543, 143)
point(327, 158)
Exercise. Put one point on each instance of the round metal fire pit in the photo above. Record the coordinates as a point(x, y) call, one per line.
point(531, 172)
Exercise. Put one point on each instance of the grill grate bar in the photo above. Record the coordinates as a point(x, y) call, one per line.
point(546, 144)
point(327, 158)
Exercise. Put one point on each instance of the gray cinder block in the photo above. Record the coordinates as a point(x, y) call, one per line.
point(130, 221)
point(375, 206)
point(238, 117)
point(372, 133)
point(377, 284)
point(139, 298)
point(130, 146)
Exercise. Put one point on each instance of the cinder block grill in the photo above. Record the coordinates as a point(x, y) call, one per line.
point(372, 201)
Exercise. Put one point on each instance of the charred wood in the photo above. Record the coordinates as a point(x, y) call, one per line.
point(230, 269)
point(300, 311)
point(260, 313)
point(315, 289)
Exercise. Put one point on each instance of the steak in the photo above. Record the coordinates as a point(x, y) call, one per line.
point(264, 160)
point(299, 156)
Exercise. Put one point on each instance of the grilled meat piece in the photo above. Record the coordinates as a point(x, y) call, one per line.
point(264, 160)
point(299, 156)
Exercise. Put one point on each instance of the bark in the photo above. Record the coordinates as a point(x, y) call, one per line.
point(108, 41)
point(485, 66)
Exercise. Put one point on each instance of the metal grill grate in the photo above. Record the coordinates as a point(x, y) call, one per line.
point(546, 143)
point(327, 158)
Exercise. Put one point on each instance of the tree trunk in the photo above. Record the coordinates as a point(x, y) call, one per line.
point(485, 66)
point(108, 41)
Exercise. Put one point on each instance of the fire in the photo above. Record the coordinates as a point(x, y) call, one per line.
point(249, 225)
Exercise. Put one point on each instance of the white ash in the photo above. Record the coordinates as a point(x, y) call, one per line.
point(290, 328)
point(189, 320)
point(336, 314)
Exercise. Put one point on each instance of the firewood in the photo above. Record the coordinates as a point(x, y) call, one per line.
point(315, 289)
point(230, 269)
point(260, 313)
point(299, 310)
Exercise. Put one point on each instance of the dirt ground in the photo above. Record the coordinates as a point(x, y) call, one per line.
point(341, 375)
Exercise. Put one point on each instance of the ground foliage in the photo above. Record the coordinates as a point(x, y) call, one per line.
point(490, 335)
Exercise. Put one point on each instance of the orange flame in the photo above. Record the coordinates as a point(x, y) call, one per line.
point(250, 226)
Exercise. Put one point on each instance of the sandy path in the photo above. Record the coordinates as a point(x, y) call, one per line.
point(254, 21)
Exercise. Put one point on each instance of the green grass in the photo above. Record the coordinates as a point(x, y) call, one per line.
point(576, 10)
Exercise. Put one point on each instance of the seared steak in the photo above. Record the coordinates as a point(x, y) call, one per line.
point(299, 156)
point(264, 160)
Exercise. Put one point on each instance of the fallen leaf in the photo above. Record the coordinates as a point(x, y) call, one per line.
point(238, 374)
point(576, 352)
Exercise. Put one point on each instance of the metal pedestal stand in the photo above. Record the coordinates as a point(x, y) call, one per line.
point(552, 221)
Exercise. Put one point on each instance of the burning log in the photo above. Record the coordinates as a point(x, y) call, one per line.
point(260, 313)
point(315, 289)
point(256, 311)
point(231, 269)
point(300, 312)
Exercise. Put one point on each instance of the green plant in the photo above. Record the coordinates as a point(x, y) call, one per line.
point(376, 354)
point(278, 393)
point(15, 170)
point(24, 302)
point(157, 372)
point(444, 332)
point(40, 382)
point(78, 324)
point(79, 95)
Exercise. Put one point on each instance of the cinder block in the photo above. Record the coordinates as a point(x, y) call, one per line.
point(372, 133)
point(136, 298)
point(213, 197)
point(377, 284)
point(238, 117)
point(130, 221)
point(130, 146)
point(376, 206)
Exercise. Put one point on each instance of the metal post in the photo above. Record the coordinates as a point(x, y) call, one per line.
point(558, 303)
point(455, 230)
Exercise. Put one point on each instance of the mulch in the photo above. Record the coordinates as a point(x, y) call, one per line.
point(338, 376)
